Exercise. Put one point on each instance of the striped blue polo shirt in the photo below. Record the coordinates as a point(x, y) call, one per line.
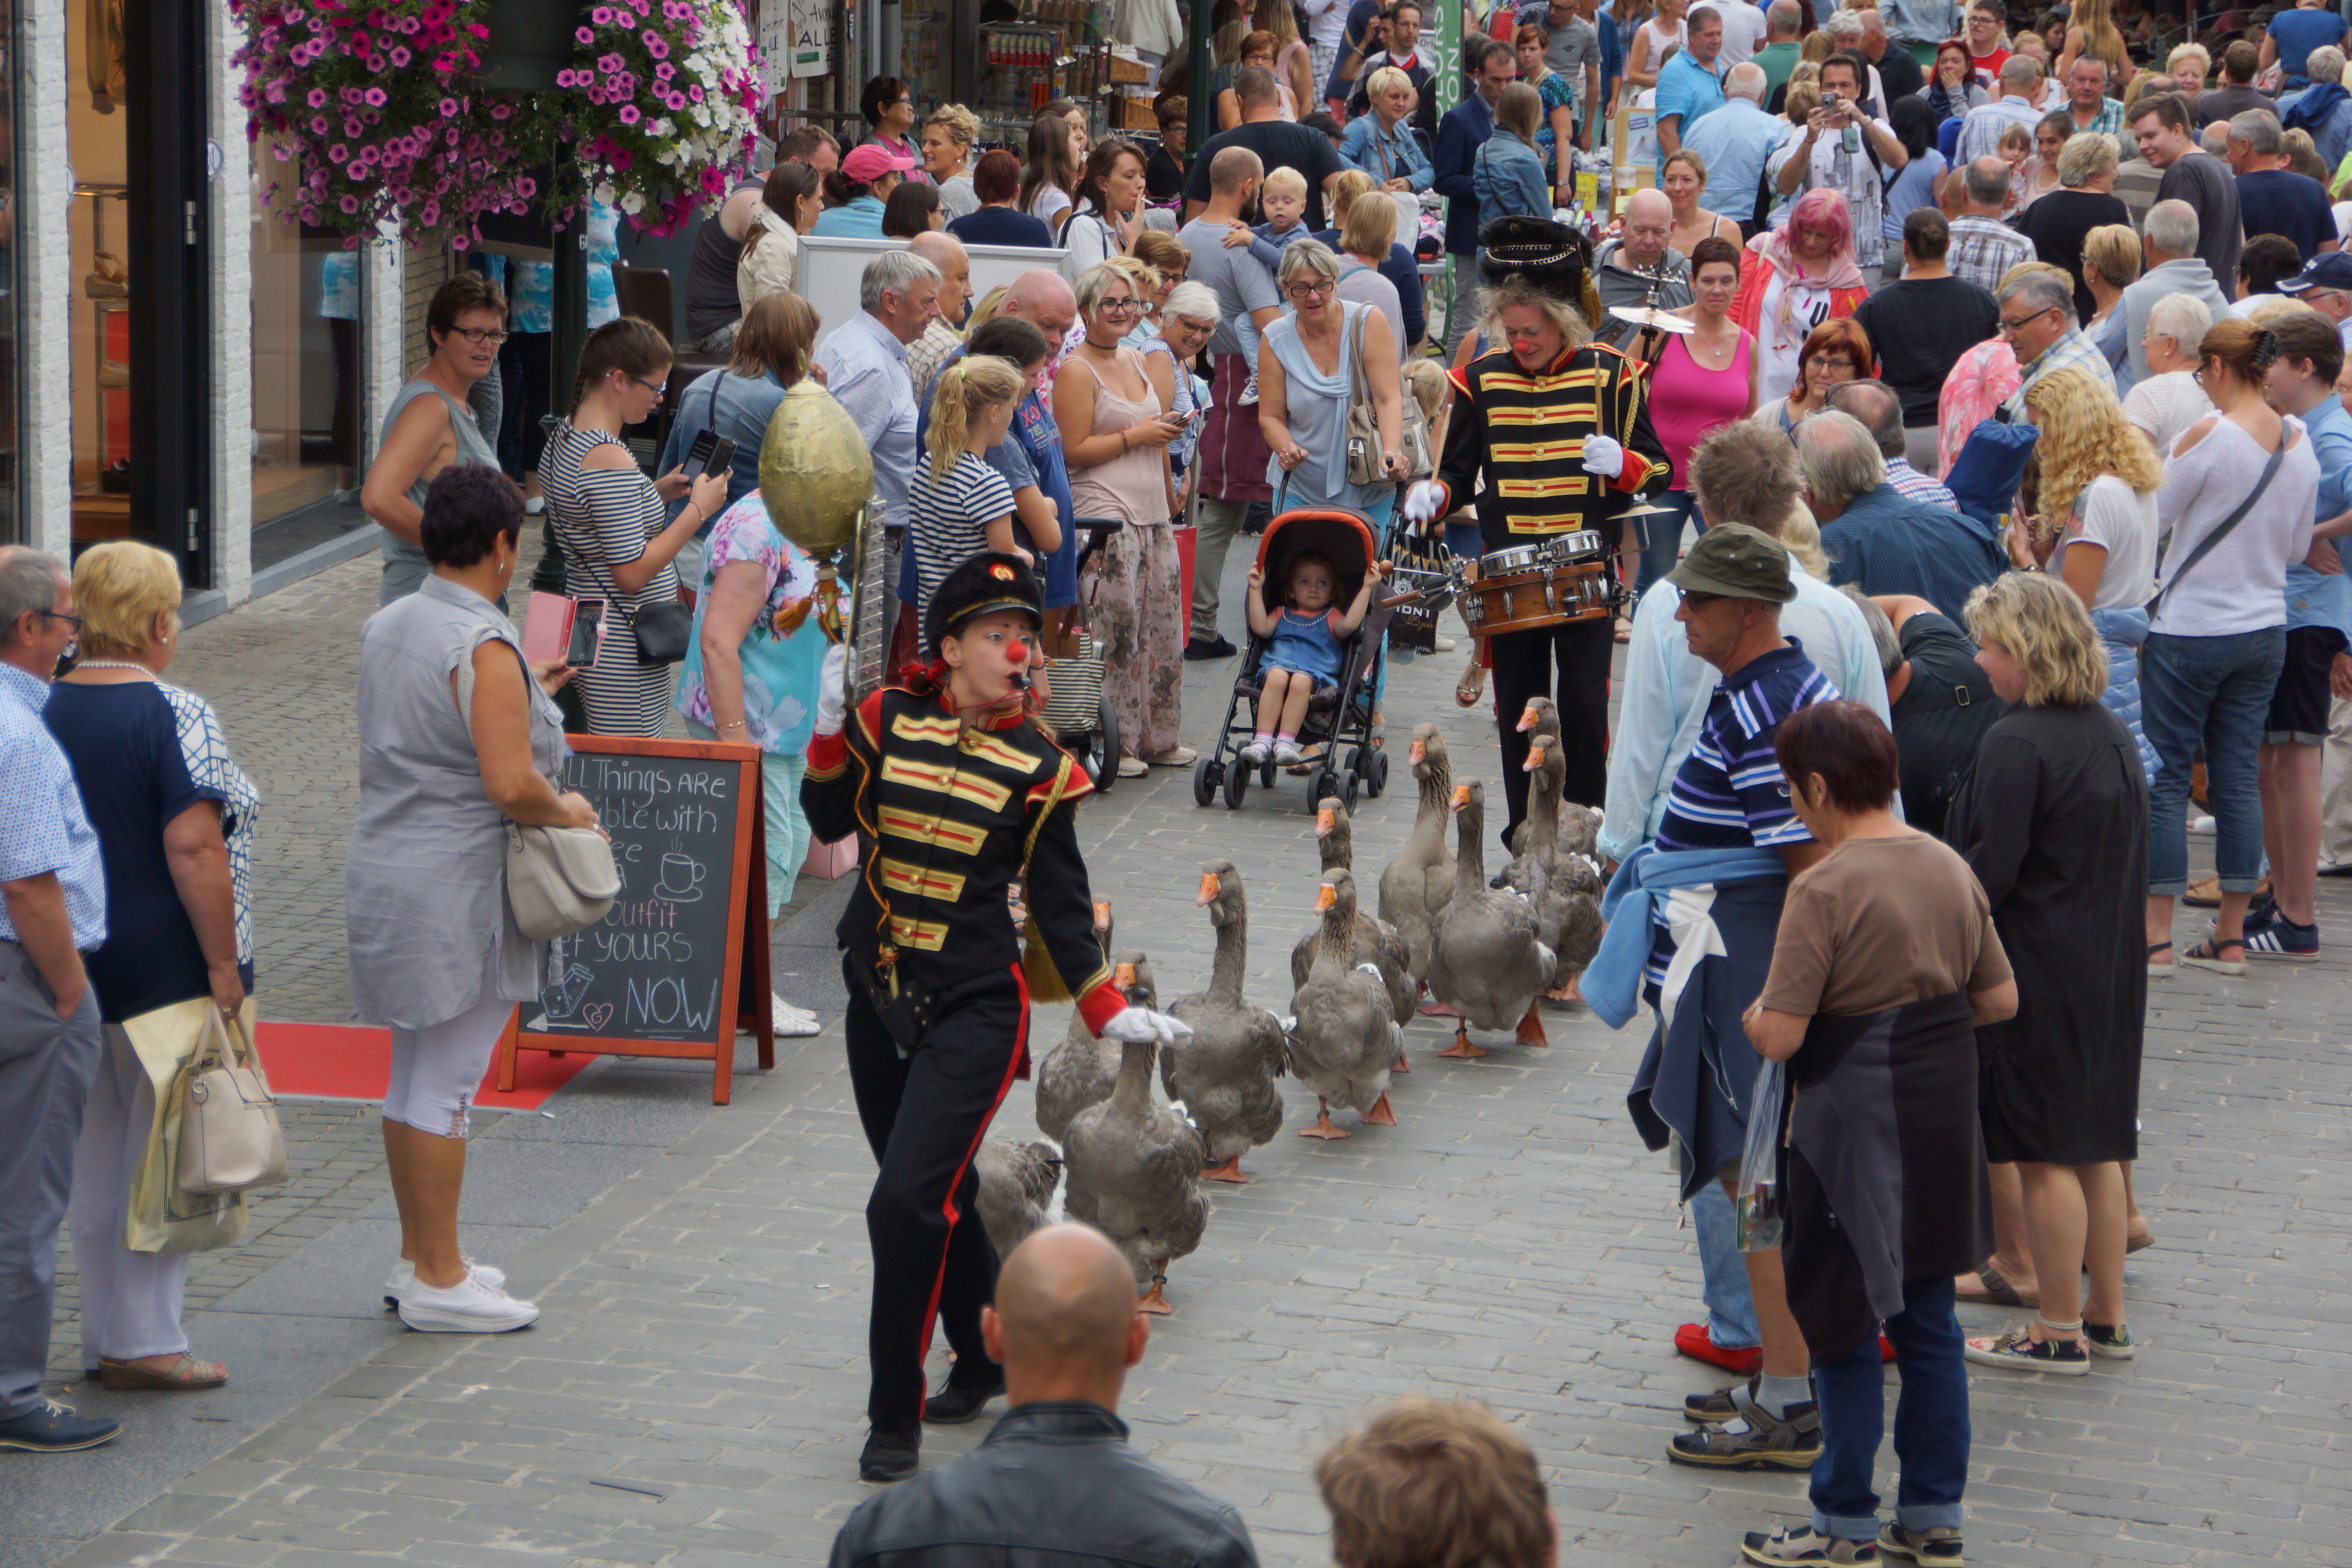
point(1728, 793)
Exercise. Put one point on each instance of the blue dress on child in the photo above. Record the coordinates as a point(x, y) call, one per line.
point(1309, 645)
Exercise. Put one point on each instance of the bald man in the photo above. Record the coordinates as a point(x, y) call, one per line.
point(1627, 269)
point(1054, 1483)
point(945, 334)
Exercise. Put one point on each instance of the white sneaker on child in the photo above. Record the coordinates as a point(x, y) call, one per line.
point(1255, 753)
point(1287, 755)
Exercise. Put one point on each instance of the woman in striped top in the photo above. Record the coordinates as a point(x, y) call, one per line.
point(608, 518)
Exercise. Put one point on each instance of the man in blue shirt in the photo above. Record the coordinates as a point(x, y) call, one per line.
point(2318, 630)
point(1494, 66)
point(52, 910)
point(1734, 141)
point(1690, 87)
point(1874, 537)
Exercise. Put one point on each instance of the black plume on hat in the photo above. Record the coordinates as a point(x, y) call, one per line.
point(1553, 256)
point(989, 582)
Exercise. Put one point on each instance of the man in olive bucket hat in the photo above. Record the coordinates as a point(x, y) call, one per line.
point(1693, 916)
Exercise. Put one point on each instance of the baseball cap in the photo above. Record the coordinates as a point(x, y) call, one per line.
point(867, 163)
point(2333, 270)
point(1737, 561)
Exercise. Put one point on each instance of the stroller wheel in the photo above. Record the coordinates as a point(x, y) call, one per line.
point(1236, 783)
point(1322, 785)
point(1266, 774)
point(1207, 774)
point(1376, 773)
point(1102, 748)
point(1348, 783)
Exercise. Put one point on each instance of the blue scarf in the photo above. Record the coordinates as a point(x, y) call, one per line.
point(2315, 108)
point(1612, 982)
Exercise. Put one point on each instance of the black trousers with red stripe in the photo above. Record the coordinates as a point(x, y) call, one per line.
point(924, 1117)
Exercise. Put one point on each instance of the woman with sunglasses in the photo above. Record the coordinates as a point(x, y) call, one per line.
point(430, 426)
point(610, 521)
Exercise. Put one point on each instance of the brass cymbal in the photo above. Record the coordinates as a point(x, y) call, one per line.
point(1646, 509)
point(1650, 316)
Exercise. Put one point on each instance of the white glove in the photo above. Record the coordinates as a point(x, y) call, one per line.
point(1603, 455)
point(1143, 1024)
point(1425, 501)
point(832, 690)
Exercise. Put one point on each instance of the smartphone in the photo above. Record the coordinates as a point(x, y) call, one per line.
point(587, 634)
point(720, 458)
point(700, 451)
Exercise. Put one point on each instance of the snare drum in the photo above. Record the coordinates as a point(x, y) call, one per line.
point(1532, 585)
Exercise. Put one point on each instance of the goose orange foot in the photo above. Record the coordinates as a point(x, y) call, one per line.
point(1323, 1127)
point(1154, 1300)
point(1531, 1029)
point(1401, 1065)
point(1569, 992)
point(1231, 1171)
point(1462, 1049)
point(1381, 1115)
point(1436, 1010)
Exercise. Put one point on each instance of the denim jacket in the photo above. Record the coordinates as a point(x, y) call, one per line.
point(1508, 175)
point(1385, 158)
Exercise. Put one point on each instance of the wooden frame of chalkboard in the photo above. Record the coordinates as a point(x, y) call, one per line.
point(643, 938)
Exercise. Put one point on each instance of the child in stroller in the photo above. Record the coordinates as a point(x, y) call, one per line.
point(1304, 653)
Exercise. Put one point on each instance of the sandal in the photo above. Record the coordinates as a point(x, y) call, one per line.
point(187, 1376)
point(1998, 1291)
point(2207, 954)
point(1471, 687)
point(2158, 970)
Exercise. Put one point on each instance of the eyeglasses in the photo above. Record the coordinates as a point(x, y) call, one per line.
point(1311, 290)
point(1837, 363)
point(656, 387)
point(481, 334)
point(73, 621)
point(2010, 329)
point(1124, 307)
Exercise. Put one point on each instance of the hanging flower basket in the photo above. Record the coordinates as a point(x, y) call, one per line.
point(372, 105)
point(659, 106)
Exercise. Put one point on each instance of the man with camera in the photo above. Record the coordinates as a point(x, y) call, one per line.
point(1846, 149)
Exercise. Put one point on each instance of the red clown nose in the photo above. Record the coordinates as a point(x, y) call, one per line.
point(1017, 651)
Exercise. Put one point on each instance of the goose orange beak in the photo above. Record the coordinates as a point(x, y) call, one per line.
point(1534, 765)
point(1323, 823)
point(1123, 976)
point(1461, 796)
point(1325, 896)
point(1102, 914)
point(1208, 888)
point(1418, 750)
point(1527, 718)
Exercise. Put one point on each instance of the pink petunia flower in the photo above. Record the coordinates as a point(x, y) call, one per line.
point(376, 97)
point(337, 152)
point(585, 34)
point(448, 109)
point(317, 98)
point(664, 71)
point(629, 114)
point(610, 63)
point(399, 56)
point(655, 45)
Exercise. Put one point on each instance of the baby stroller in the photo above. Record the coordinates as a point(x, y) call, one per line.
point(1339, 718)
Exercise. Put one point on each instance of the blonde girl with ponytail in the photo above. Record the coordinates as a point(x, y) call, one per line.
point(958, 505)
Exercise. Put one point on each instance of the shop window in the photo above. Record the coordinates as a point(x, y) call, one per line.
point(98, 231)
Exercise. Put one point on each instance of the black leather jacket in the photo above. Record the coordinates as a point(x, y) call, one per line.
point(1054, 1486)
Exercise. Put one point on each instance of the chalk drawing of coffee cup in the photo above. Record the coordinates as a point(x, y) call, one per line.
point(681, 879)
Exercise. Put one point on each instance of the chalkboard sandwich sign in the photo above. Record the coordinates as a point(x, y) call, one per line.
point(680, 962)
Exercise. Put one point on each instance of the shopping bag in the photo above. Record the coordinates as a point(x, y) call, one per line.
point(161, 1219)
point(1759, 1198)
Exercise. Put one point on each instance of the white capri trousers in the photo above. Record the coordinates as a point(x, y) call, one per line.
point(131, 1301)
point(437, 1069)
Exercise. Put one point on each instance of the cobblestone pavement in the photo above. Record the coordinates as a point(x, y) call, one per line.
point(691, 1397)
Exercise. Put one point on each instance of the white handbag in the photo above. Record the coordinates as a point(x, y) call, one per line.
point(559, 879)
point(229, 1136)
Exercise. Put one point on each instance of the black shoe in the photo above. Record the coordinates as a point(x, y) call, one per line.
point(890, 1456)
point(1215, 647)
point(54, 1429)
point(953, 1406)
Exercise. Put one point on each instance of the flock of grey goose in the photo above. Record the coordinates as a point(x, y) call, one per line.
point(1486, 954)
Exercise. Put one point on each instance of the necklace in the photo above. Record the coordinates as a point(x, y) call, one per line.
point(114, 664)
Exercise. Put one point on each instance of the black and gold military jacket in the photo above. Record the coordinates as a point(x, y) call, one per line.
point(1528, 433)
point(945, 818)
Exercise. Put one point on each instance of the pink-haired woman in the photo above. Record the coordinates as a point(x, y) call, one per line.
point(1803, 275)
